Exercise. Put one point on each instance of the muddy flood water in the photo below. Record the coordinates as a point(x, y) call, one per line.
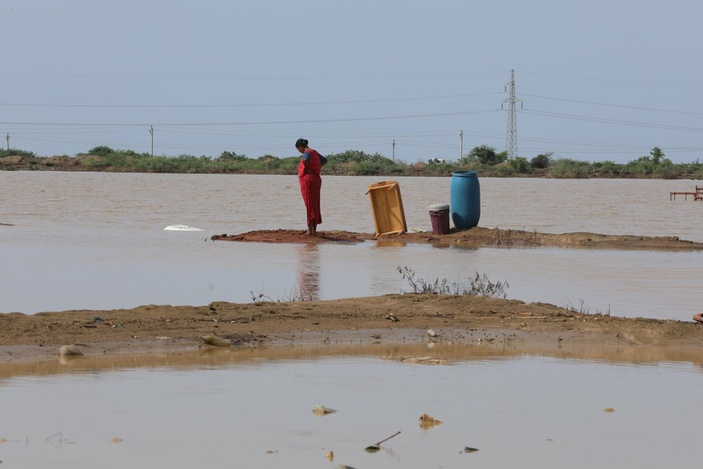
point(248, 409)
point(96, 241)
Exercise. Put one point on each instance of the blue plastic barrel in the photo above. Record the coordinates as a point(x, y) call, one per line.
point(465, 194)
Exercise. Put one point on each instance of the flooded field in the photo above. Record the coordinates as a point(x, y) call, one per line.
point(254, 408)
point(96, 241)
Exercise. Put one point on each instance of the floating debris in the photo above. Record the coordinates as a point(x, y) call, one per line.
point(469, 449)
point(319, 409)
point(609, 410)
point(60, 440)
point(115, 439)
point(344, 466)
point(69, 350)
point(424, 360)
point(427, 422)
point(215, 341)
point(182, 228)
point(3, 440)
point(377, 446)
point(330, 456)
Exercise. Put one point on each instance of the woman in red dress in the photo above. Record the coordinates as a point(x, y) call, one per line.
point(310, 183)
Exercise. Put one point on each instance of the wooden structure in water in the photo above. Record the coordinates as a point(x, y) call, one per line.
point(697, 195)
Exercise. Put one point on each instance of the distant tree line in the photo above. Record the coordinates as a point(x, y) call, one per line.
point(483, 159)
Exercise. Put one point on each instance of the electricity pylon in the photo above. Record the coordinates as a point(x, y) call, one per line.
point(511, 100)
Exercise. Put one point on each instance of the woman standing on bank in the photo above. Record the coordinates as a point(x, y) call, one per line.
point(310, 183)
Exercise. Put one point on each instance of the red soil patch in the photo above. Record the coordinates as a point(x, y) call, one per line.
point(294, 236)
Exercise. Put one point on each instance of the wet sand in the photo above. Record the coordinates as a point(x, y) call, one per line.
point(391, 319)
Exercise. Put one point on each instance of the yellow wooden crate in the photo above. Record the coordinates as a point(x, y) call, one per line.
point(387, 207)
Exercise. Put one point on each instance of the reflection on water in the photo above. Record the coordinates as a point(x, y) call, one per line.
point(253, 408)
point(481, 350)
point(308, 272)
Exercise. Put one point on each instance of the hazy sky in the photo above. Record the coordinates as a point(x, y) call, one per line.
point(597, 80)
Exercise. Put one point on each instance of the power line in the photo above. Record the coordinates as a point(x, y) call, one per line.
point(252, 77)
point(621, 106)
point(250, 123)
point(609, 80)
point(614, 121)
point(294, 104)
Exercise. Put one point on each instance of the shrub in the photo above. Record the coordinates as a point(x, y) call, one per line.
point(101, 150)
point(607, 167)
point(355, 156)
point(519, 165)
point(541, 161)
point(487, 155)
point(16, 152)
point(231, 156)
point(568, 168)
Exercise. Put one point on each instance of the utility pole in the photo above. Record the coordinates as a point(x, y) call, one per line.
point(393, 150)
point(7, 137)
point(511, 135)
point(461, 145)
point(151, 131)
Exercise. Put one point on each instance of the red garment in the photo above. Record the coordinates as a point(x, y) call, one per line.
point(314, 162)
point(310, 185)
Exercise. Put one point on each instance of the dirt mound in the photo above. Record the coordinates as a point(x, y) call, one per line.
point(475, 237)
point(293, 236)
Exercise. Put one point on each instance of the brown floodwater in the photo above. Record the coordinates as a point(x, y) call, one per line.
point(96, 241)
point(254, 408)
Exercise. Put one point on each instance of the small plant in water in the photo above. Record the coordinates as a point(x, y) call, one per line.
point(479, 285)
point(582, 309)
point(259, 298)
point(293, 295)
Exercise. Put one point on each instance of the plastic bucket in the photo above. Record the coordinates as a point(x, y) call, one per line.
point(439, 215)
point(465, 195)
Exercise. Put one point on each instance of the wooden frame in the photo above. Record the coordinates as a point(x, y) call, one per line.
point(387, 207)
